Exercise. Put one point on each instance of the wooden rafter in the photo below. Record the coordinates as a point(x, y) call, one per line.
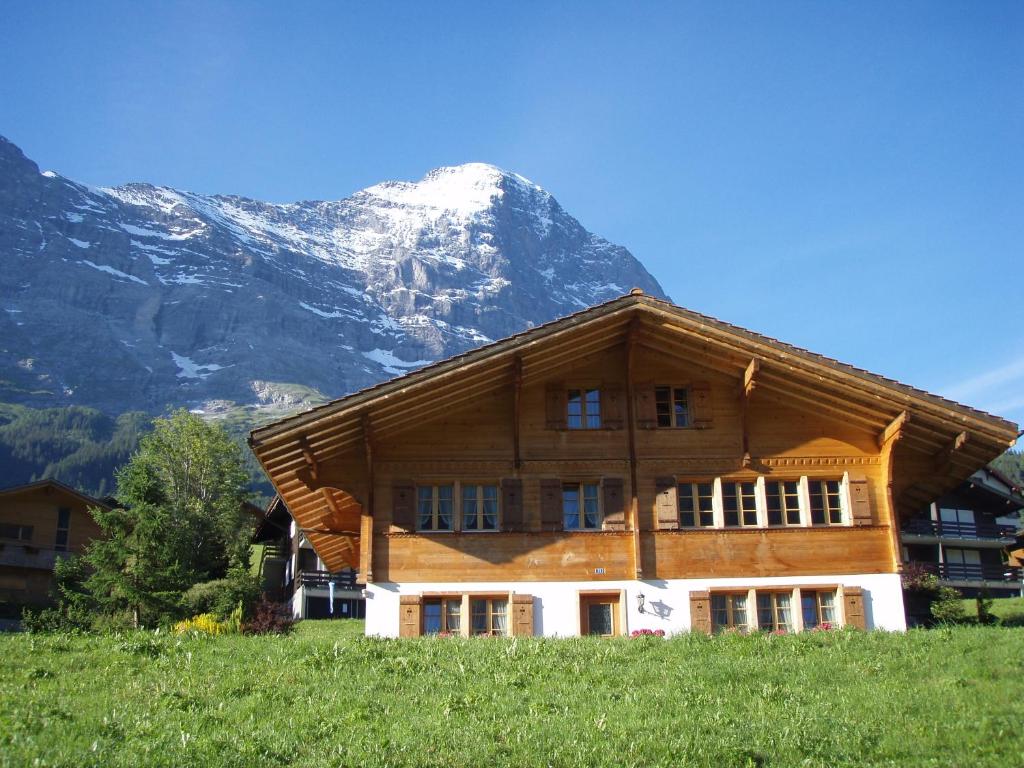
point(894, 430)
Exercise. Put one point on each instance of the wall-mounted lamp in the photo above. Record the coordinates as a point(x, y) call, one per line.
point(641, 600)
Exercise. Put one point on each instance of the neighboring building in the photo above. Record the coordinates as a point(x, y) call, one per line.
point(965, 537)
point(40, 522)
point(291, 571)
point(633, 466)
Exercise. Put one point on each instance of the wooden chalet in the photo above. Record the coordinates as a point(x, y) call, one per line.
point(633, 466)
point(39, 523)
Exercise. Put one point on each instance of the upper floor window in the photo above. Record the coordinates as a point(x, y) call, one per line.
point(826, 508)
point(584, 409)
point(697, 505)
point(672, 407)
point(16, 531)
point(434, 506)
point(63, 526)
point(783, 499)
point(580, 506)
point(479, 507)
point(740, 503)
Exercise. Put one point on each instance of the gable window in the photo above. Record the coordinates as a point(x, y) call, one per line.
point(16, 532)
point(584, 409)
point(826, 508)
point(775, 611)
point(581, 509)
point(672, 406)
point(783, 497)
point(479, 507)
point(434, 507)
point(489, 616)
point(740, 503)
point(818, 608)
point(696, 505)
point(442, 615)
point(729, 612)
point(63, 526)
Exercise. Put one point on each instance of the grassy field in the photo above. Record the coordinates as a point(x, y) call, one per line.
point(1009, 610)
point(328, 697)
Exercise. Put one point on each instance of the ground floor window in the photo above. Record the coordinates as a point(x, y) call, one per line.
point(729, 612)
point(818, 608)
point(489, 616)
point(775, 611)
point(442, 615)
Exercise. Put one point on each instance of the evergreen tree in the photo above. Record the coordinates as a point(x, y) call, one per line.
point(181, 519)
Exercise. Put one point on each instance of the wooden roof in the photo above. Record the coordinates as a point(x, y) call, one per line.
point(57, 486)
point(929, 423)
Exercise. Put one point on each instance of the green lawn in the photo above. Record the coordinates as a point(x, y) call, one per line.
point(1009, 610)
point(326, 696)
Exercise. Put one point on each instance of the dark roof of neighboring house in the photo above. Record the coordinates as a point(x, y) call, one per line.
point(106, 503)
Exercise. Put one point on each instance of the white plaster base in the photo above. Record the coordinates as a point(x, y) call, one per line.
point(556, 603)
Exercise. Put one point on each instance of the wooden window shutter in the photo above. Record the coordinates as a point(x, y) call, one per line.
point(551, 505)
point(410, 618)
point(700, 612)
point(860, 502)
point(614, 506)
point(853, 608)
point(700, 404)
point(555, 405)
point(612, 406)
point(403, 505)
point(646, 409)
point(522, 615)
point(666, 504)
point(512, 504)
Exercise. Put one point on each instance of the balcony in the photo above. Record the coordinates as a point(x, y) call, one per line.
point(923, 529)
point(974, 572)
point(25, 556)
point(345, 580)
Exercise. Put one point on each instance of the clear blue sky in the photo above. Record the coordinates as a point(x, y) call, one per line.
point(847, 177)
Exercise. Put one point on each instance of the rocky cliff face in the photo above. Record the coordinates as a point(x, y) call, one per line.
point(141, 297)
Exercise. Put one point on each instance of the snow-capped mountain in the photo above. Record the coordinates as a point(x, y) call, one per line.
point(140, 297)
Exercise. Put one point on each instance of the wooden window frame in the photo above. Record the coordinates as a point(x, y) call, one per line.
point(63, 534)
point(731, 623)
point(435, 508)
point(827, 510)
point(784, 509)
point(490, 613)
point(818, 592)
point(792, 593)
point(673, 396)
point(795, 592)
point(480, 486)
point(580, 486)
point(585, 414)
point(443, 601)
point(616, 598)
point(691, 489)
point(741, 510)
point(23, 532)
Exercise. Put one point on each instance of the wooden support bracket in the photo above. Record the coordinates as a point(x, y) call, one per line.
point(750, 376)
point(943, 460)
point(894, 431)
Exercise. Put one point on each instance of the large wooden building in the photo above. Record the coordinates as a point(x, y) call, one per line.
point(633, 466)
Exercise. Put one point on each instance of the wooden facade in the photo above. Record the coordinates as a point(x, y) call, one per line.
point(39, 523)
point(510, 421)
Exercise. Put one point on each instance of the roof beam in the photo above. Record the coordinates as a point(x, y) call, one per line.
point(750, 376)
point(943, 460)
point(894, 430)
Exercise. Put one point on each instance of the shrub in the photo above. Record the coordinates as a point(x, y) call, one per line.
point(269, 618)
point(917, 578)
point(984, 604)
point(203, 624)
point(948, 606)
point(68, 619)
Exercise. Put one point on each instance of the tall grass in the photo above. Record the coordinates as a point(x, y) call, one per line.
point(328, 697)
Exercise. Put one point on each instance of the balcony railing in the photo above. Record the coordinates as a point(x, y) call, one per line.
point(974, 571)
point(956, 530)
point(25, 556)
point(342, 580)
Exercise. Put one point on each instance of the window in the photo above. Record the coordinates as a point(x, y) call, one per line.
point(490, 616)
point(696, 505)
point(783, 498)
point(740, 503)
point(774, 611)
point(580, 507)
point(479, 507)
point(442, 615)
point(672, 406)
point(434, 505)
point(16, 532)
point(729, 612)
point(584, 409)
point(825, 504)
point(63, 525)
point(819, 608)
